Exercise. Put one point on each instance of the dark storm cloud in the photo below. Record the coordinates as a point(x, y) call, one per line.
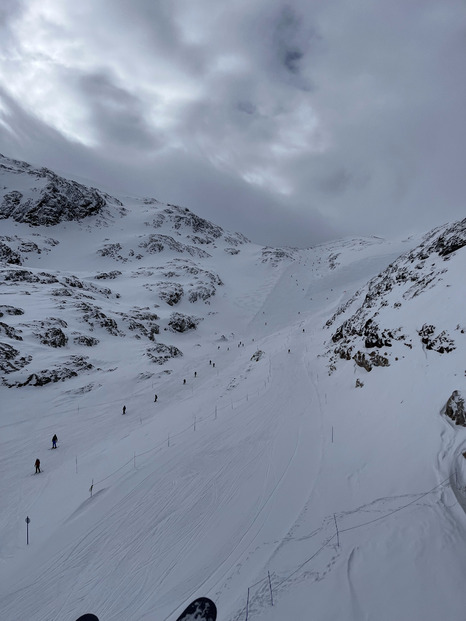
point(290, 121)
point(286, 33)
point(118, 116)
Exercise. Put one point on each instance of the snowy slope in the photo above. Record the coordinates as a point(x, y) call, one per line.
point(264, 439)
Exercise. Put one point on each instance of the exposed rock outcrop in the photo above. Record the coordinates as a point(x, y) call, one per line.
point(161, 353)
point(182, 323)
point(455, 408)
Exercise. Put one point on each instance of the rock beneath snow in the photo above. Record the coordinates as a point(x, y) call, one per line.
point(53, 337)
point(72, 367)
point(161, 353)
point(94, 317)
point(409, 276)
point(455, 409)
point(257, 355)
point(22, 275)
point(87, 341)
point(7, 255)
point(275, 256)
point(113, 251)
point(11, 359)
point(154, 244)
point(182, 323)
point(57, 201)
point(10, 332)
point(372, 360)
point(201, 292)
point(5, 309)
point(170, 292)
point(108, 275)
point(441, 342)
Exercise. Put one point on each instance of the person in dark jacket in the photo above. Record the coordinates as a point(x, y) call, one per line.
point(54, 441)
point(124, 409)
point(37, 465)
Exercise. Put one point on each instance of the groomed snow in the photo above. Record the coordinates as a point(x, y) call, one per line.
point(244, 471)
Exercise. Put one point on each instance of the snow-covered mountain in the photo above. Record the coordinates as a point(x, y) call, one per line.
point(294, 418)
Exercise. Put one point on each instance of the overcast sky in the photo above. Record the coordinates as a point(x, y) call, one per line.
point(292, 122)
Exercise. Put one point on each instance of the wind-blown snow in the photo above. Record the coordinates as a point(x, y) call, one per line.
point(248, 462)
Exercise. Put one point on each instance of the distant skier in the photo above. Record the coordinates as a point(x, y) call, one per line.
point(124, 409)
point(155, 398)
point(37, 465)
point(54, 441)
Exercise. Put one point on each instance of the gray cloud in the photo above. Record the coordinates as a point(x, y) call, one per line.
point(292, 122)
point(118, 116)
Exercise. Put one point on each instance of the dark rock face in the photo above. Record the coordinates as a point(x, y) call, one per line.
point(235, 239)
point(205, 231)
point(451, 240)
point(142, 322)
point(440, 343)
point(10, 310)
point(87, 341)
point(11, 359)
point(373, 360)
point(170, 292)
point(50, 199)
point(275, 256)
point(74, 366)
point(154, 244)
point(60, 200)
point(108, 276)
point(53, 337)
point(257, 355)
point(7, 255)
point(112, 250)
point(182, 323)
point(201, 292)
point(369, 331)
point(94, 316)
point(455, 408)
point(361, 360)
point(17, 275)
point(10, 332)
point(161, 353)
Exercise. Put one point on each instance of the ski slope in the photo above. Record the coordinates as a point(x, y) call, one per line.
point(249, 469)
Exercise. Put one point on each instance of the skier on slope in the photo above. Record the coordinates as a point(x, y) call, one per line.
point(124, 409)
point(54, 441)
point(37, 465)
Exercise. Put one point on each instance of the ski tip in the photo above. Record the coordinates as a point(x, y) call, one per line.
point(201, 609)
point(88, 617)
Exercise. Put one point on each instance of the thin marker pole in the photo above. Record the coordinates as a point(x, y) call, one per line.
point(336, 526)
point(270, 587)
